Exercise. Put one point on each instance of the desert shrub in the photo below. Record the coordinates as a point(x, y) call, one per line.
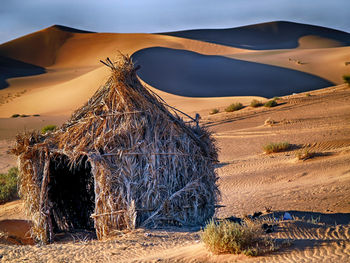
point(276, 98)
point(48, 128)
point(24, 115)
point(8, 185)
point(270, 103)
point(269, 122)
point(255, 103)
point(276, 147)
point(308, 95)
point(305, 154)
point(234, 107)
point(15, 115)
point(214, 111)
point(346, 79)
point(36, 115)
point(230, 237)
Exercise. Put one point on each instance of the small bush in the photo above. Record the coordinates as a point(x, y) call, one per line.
point(346, 79)
point(255, 103)
point(48, 128)
point(214, 111)
point(276, 98)
point(36, 115)
point(15, 115)
point(8, 185)
point(308, 95)
point(234, 107)
point(276, 147)
point(270, 103)
point(230, 237)
point(269, 122)
point(305, 154)
point(25, 115)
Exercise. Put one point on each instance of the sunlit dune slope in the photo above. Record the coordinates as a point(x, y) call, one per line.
point(69, 59)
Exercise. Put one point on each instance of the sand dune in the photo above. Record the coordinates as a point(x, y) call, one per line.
point(191, 74)
point(11, 68)
point(328, 63)
point(71, 59)
point(272, 35)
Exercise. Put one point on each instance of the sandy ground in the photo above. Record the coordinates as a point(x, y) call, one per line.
point(316, 192)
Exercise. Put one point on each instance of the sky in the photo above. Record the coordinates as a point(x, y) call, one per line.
point(20, 17)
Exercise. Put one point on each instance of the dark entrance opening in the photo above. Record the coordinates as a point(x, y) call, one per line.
point(71, 195)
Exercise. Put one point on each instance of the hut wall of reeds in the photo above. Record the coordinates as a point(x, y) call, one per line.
point(125, 159)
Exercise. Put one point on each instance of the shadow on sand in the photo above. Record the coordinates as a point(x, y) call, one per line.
point(266, 36)
point(11, 68)
point(190, 74)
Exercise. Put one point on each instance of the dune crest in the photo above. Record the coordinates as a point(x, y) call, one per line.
point(264, 36)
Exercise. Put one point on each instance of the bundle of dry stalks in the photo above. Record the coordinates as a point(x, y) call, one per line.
point(147, 166)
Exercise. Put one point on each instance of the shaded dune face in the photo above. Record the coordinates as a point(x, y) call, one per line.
point(191, 74)
point(273, 35)
point(11, 68)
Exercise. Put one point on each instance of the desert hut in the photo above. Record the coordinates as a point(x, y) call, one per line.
point(125, 159)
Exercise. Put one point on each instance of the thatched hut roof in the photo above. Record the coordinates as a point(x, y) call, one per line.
point(124, 159)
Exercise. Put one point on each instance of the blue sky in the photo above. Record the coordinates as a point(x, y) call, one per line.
point(20, 17)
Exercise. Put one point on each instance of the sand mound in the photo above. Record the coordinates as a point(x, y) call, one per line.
point(272, 35)
point(11, 68)
point(45, 42)
point(71, 59)
point(191, 74)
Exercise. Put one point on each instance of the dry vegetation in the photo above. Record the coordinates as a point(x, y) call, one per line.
point(276, 147)
point(256, 103)
point(214, 111)
point(48, 128)
point(271, 103)
point(8, 185)
point(346, 79)
point(234, 107)
point(305, 154)
point(230, 237)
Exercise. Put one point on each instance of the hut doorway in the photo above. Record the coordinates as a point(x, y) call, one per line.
point(71, 195)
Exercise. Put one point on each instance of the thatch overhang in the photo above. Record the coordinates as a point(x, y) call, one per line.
point(125, 159)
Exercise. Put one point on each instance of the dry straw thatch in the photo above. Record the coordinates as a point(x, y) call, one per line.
point(125, 159)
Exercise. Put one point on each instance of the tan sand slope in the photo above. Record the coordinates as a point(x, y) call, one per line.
point(76, 68)
point(71, 60)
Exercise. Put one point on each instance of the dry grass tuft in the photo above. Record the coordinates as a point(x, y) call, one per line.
point(234, 107)
point(305, 154)
point(229, 237)
point(346, 79)
point(48, 128)
point(276, 147)
point(271, 103)
point(214, 111)
point(256, 103)
point(8, 185)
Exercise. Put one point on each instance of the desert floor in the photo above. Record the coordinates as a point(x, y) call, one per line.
point(316, 191)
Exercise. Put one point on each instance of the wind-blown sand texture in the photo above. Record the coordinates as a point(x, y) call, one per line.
point(316, 192)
